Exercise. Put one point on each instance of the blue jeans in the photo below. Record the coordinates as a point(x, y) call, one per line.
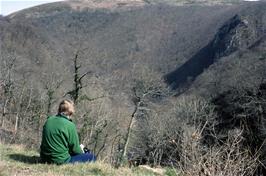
point(82, 158)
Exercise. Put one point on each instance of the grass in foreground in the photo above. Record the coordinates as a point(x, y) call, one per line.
point(17, 160)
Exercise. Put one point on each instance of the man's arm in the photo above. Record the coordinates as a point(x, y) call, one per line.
point(74, 147)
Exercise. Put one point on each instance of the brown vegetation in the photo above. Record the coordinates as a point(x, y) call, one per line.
point(112, 64)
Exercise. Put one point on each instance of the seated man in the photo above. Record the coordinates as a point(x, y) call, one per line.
point(60, 142)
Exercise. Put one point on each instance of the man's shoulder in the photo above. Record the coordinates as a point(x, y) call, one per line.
point(51, 116)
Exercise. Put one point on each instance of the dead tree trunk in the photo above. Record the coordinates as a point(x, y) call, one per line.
point(136, 100)
point(75, 93)
point(129, 129)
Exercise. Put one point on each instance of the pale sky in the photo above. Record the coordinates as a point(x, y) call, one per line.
point(9, 6)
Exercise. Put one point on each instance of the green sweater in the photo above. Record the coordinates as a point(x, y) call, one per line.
point(59, 140)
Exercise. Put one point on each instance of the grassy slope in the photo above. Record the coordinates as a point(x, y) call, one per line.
point(17, 160)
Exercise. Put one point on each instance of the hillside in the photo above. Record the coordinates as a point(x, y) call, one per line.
point(117, 45)
point(17, 160)
point(161, 37)
point(238, 43)
point(138, 71)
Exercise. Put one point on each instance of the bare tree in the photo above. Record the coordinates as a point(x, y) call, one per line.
point(144, 88)
point(7, 81)
point(51, 85)
point(77, 78)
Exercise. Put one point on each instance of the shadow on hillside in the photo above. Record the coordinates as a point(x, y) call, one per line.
point(25, 158)
point(203, 59)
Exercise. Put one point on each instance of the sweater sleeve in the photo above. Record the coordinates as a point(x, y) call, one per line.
point(74, 147)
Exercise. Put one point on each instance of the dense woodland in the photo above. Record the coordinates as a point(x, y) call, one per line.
point(157, 84)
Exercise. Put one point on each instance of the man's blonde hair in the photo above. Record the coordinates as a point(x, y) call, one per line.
point(66, 107)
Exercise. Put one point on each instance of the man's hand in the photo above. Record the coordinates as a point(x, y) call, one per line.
point(82, 147)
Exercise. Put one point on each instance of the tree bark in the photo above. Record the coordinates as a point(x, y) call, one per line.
point(129, 130)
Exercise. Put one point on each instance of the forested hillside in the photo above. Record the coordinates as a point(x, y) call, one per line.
point(149, 79)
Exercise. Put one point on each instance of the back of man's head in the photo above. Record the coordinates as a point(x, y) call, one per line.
point(66, 107)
